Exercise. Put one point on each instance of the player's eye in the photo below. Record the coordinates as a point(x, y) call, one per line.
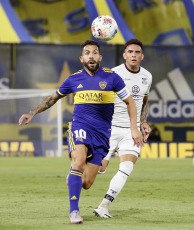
point(95, 52)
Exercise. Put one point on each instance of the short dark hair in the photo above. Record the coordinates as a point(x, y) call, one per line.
point(133, 41)
point(90, 42)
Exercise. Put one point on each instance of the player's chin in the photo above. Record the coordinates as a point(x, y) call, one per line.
point(133, 65)
point(93, 67)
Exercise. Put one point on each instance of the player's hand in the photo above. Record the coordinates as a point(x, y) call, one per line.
point(137, 137)
point(28, 117)
point(146, 130)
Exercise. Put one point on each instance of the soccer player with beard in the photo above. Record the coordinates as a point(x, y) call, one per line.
point(89, 131)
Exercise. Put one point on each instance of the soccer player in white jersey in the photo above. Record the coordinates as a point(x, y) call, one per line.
point(138, 81)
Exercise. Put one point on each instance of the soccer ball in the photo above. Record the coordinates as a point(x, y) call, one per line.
point(104, 28)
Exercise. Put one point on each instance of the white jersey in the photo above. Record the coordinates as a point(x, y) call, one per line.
point(138, 83)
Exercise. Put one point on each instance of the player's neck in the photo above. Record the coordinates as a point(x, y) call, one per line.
point(134, 69)
point(91, 73)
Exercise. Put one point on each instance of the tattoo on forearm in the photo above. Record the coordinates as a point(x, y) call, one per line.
point(44, 105)
point(48, 102)
point(144, 111)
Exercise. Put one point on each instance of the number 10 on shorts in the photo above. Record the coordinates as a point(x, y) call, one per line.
point(80, 134)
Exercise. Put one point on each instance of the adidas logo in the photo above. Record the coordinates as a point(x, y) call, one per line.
point(169, 90)
point(172, 98)
point(73, 198)
point(80, 86)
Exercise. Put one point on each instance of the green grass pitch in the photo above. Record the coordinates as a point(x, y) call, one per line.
point(159, 195)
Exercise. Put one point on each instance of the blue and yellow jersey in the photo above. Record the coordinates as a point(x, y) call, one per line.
point(94, 96)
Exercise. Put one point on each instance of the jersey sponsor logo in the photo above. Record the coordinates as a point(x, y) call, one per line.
point(80, 86)
point(135, 89)
point(103, 84)
point(94, 96)
point(91, 96)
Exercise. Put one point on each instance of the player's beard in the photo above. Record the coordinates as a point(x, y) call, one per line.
point(90, 68)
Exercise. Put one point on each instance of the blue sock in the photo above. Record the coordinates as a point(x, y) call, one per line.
point(75, 186)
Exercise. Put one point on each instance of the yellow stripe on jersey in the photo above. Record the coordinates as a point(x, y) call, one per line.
point(94, 96)
point(71, 141)
point(77, 72)
point(60, 93)
point(107, 70)
point(7, 32)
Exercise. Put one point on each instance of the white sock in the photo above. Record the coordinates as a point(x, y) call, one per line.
point(117, 183)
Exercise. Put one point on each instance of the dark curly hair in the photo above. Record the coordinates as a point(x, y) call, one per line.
point(90, 42)
point(133, 41)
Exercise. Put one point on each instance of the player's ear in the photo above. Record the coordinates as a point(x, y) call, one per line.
point(81, 59)
point(124, 55)
point(142, 56)
point(100, 57)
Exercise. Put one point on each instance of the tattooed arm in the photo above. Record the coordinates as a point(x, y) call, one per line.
point(145, 128)
point(44, 105)
point(144, 110)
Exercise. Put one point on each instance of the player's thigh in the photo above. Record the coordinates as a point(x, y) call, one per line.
point(89, 175)
point(127, 150)
point(116, 136)
point(113, 142)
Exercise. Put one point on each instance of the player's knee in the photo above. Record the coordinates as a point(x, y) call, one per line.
point(86, 183)
point(126, 167)
point(102, 168)
point(78, 165)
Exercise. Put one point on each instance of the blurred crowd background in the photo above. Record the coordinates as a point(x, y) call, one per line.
point(40, 47)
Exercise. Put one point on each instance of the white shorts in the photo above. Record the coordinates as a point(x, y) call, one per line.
point(122, 142)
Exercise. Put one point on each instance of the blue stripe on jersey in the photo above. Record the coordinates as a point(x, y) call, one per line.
point(123, 94)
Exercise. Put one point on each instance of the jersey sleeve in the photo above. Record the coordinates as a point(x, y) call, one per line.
point(120, 87)
point(149, 86)
point(65, 88)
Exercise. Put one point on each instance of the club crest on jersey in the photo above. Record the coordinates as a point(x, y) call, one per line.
point(135, 89)
point(102, 84)
point(144, 81)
